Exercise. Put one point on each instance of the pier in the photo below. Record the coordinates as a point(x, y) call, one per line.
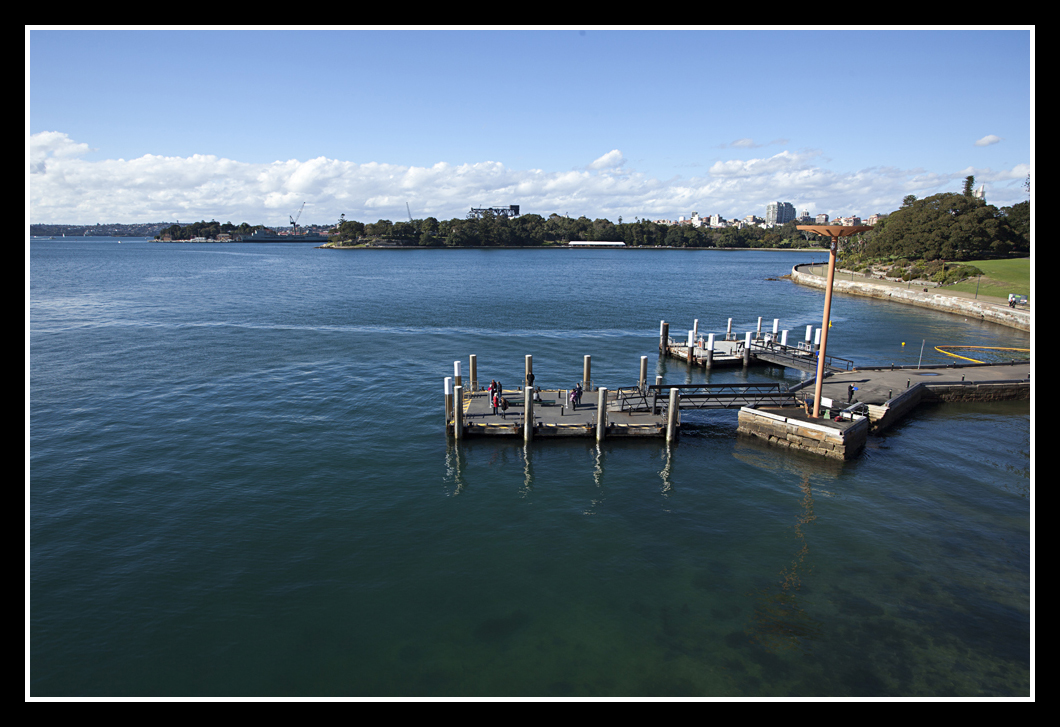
point(854, 402)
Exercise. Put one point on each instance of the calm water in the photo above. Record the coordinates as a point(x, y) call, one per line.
point(240, 485)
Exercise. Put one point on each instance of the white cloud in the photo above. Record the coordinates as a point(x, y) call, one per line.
point(64, 187)
point(611, 160)
point(988, 140)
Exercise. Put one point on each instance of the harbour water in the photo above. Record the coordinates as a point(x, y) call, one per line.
point(239, 485)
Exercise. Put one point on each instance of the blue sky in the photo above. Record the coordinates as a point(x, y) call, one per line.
point(246, 125)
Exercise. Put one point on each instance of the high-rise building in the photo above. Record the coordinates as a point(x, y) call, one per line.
point(779, 212)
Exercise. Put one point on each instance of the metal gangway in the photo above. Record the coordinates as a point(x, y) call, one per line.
point(801, 357)
point(655, 397)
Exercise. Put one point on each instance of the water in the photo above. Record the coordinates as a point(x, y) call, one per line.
point(240, 485)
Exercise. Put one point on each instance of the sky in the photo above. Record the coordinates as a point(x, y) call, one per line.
point(248, 125)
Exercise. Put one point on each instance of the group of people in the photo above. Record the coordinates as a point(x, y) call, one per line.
point(576, 396)
point(497, 401)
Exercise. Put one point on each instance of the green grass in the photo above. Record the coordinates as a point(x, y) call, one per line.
point(1000, 277)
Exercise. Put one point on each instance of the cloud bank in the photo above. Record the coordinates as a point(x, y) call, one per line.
point(65, 187)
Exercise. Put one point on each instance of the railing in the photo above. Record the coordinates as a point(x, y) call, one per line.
point(722, 396)
point(798, 357)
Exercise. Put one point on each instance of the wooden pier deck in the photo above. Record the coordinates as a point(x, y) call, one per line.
point(855, 401)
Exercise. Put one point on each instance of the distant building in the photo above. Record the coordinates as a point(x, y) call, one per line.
point(509, 211)
point(780, 212)
point(822, 219)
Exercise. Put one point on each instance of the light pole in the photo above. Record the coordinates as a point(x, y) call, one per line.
point(833, 232)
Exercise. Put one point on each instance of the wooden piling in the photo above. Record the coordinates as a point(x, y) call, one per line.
point(448, 400)
point(601, 413)
point(587, 371)
point(528, 415)
point(671, 417)
point(458, 412)
point(664, 336)
point(473, 372)
point(643, 372)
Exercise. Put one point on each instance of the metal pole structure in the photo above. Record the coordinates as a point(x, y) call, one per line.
point(587, 370)
point(832, 248)
point(834, 232)
point(473, 365)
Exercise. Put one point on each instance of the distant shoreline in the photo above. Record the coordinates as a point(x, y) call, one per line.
point(565, 247)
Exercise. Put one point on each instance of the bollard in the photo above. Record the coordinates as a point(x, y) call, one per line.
point(671, 417)
point(710, 350)
point(528, 413)
point(601, 413)
point(747, 349)
point(457, 381)
point(587, 370)
point(473, 372)
point(664, 336)
point(643, 372)
point(458, 412)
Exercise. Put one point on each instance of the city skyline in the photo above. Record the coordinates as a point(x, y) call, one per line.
point(247, 125)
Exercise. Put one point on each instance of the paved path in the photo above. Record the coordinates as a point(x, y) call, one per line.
point(876, 386)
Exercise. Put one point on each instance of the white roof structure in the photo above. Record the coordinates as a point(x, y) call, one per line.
point(597, 243)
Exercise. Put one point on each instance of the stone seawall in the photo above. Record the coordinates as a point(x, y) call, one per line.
point(824, 439)
point(1019, 319)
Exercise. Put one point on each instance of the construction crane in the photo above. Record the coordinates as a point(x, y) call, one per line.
point(294, 220)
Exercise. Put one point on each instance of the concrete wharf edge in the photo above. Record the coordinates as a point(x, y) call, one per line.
point(843, 440)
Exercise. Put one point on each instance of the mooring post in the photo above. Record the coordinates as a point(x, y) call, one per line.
point(528, 417)
point(817, 340)
point(529, 369)
point(664, 336)
point(784, 339)
point(655, 395)
point(695, 330)
point(457, 381)
point(758, 332)
point(587, 370)
point(776, 327)
point(601, 413)
point(473, 372)
point(710, 350)
point(458, 412)
point(691, 341)
point(747, 349)
point(643, 372)
point(671, 417)
point(448, 400)
point(809, 334)
point(728, 331)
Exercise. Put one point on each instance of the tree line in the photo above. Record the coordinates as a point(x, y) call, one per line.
point(530, 230)
point(212, 229)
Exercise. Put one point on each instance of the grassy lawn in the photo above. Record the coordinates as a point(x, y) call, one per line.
point(1000, 277)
